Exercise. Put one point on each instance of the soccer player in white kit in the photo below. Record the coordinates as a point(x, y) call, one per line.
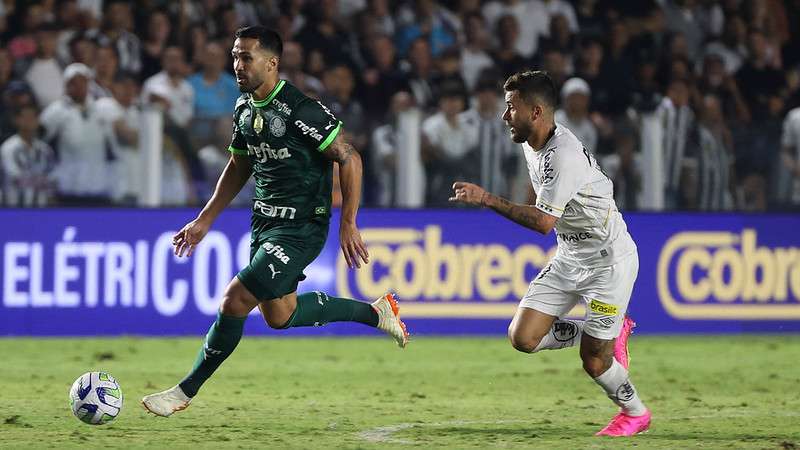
point(596, 261)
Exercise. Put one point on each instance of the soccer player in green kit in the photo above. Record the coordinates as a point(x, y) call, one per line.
point(288, 142)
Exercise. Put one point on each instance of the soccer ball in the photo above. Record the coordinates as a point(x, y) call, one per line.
point(95, 398)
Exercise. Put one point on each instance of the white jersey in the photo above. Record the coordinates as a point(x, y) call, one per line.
point(570, 185)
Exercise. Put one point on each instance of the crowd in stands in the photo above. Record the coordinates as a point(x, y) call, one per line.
point(722, 77)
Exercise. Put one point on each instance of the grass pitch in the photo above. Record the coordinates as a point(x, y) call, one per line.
point(705, 392)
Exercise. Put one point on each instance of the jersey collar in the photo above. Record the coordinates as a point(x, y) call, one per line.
point(272, 94)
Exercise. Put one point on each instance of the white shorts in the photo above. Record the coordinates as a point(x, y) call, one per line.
point(606, 292)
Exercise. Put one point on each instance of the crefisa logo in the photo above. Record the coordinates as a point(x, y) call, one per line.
point(708, 275)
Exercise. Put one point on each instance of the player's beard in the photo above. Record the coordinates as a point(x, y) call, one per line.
point(520, 133)
point(251, 84)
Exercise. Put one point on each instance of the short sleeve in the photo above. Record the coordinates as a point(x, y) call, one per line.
point(562, 174)
point(315, 124)
point(238, 144)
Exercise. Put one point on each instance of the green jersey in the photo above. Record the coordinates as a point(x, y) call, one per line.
point(285, 135)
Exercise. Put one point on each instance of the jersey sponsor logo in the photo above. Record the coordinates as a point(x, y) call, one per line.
point(264, 152)
point(330, 125)
point(308, 131)
point(283, 108)
point(547, 166)
point(267, 210)
point(277, 126)
point(603, 308)
point(278, 252)
point(728, 276)
point(574, 237)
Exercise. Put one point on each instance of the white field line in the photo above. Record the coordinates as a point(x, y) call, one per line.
point(385, 434)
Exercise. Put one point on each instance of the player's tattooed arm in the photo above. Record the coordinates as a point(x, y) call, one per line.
point(341, 151)
point(350, 174)
point(526, 215)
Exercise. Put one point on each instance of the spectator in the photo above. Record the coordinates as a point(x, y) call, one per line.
point(565, 10)
point(531, 13)
point(23, 45)
point(82, 138)
point(400, 177)
point(429, 20)
point(448, 147)
point(44, 73)
point(157, 40)
point(677, 121)
point(117, 23)
point(16, 95)
point(215, 156)
point(383, 79)
point(684, 17)
point(339, 84)
point(27, 163)
point(505, 55)
point(556, 64)
point(716, 81)
point(732, 46)
point(574, 113)
point(125, 116)
point(68, 20)
point(324, 35)
point(560, 37)
point(474, 55)
point(448, 70)
point(292, 69)
point(420, 74)
point(759, 82)
point(83, 49)
point(497, 154)
point(623, 167)
point(105, 72)
point(215, 93)
point(198, 40)
point(170, 90)
point(714, 159)
point(378, 14)
point(790, 155)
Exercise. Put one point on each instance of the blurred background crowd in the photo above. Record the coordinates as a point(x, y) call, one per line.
point(721, 78)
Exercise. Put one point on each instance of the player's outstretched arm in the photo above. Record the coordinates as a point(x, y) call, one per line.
point(526, 215)
point(350, 174)
point(233, 178)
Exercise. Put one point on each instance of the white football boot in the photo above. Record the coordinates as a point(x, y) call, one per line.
point(389, 319)
point(166, 402)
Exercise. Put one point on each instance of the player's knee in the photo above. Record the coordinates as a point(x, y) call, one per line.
point(525, 344)
point(278, 321)
point(234, 305)
point(596, 365)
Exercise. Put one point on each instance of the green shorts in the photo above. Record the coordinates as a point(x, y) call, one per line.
point(279, 251)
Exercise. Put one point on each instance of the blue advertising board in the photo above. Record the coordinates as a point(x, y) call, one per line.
point(112, 272)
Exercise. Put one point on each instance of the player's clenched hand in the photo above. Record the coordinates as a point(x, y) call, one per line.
point(468, 193)
point(353, 247)
point(190, 235)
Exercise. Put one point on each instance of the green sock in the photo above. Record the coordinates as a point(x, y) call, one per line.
point(317, 308)
point(221, 340)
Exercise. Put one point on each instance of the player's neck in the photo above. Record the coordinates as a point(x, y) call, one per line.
point(266, 87)
point(540, 136)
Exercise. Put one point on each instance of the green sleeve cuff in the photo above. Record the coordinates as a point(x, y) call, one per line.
point(330, 137)
point(236, 151)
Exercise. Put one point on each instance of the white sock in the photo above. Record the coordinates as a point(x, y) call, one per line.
point(620, 390)
point(563, 334)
